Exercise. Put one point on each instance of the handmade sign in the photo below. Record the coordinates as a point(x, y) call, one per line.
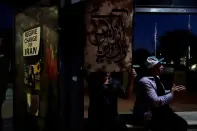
point(108, 35)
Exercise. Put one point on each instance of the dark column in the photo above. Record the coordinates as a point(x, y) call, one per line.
point(72, 41)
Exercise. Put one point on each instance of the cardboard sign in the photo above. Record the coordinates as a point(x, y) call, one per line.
point(108, 35)
point(31, 42)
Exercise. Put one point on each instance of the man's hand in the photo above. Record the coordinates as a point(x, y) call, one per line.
point(177, 88)
point(133, 74)
point(106, 80)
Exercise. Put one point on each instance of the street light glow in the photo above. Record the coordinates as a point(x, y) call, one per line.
point(193, 67)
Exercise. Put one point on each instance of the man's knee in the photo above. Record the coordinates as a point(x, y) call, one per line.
point(182, 123)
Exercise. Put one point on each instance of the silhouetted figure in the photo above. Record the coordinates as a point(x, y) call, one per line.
point(103, 99)
point(152, 101)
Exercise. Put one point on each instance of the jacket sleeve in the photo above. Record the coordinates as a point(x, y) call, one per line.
point(152, 96)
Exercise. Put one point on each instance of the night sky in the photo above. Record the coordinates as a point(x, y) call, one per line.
point(144, 26)
point(6, 17)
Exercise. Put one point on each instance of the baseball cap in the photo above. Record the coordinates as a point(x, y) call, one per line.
point(152, 61)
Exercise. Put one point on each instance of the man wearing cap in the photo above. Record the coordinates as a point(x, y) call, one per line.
point(152, 100)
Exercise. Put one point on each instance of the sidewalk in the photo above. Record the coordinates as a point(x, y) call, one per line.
point(7, 111)
point(190, 117)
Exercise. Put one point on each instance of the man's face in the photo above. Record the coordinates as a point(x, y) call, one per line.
point(158, 69)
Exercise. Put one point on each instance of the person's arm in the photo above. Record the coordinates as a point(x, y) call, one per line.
point(132, 82)
point(152, 96)
point(167, 91)
point(126, 92)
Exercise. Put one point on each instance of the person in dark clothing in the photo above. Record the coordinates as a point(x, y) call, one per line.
point(103, 99)
point(152, 101)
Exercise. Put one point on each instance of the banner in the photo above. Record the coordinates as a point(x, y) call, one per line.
point(108, 35)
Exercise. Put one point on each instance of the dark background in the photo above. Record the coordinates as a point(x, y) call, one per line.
point(72, 20)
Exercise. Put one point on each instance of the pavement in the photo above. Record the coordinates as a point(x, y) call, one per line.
point(190, 117)
point(7, 111)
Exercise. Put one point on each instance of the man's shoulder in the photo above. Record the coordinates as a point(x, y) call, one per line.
point(146, 79)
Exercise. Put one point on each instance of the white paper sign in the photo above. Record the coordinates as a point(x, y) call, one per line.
point(31, 42)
